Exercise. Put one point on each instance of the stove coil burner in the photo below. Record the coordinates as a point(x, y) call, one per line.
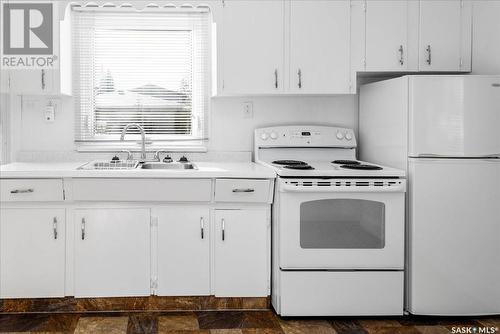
point(346, 162)
point(362, 167)
point(290, 162)
point(300, 167)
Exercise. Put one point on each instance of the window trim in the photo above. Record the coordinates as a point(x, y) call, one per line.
point(132, 141)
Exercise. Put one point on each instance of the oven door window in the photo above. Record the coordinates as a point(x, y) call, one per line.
point(342, 223)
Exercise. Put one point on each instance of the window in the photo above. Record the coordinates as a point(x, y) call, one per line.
point(149, 68)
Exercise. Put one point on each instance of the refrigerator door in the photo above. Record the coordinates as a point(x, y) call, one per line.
point(455, 116)
point(454, 237)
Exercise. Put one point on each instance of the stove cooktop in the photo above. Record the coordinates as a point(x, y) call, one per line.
point(336, 168)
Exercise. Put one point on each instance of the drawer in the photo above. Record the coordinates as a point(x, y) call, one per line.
point(31, 190)
point(238, 190)
point(150, 190)
point(348, 293)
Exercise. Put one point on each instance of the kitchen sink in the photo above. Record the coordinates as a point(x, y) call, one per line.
point(168, 165)
point(110, 165)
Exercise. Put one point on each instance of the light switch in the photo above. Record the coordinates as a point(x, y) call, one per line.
point(248, 109)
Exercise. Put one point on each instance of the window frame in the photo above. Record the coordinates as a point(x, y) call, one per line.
point(158, 141)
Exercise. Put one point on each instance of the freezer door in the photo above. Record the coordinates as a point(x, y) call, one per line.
point(454, 115)
point(454, 237)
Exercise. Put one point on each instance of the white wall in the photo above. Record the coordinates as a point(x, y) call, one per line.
point(4, 129)
point(231, 135)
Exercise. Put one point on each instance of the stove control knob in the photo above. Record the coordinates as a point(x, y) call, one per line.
point(274, 135)
point(340, 135)
point(264, 136)
point(348, 136)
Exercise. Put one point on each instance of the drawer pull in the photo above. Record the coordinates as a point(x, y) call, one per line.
point(83, 228)
point(202, 228)
point(243, 190)
point(22, 191)
point(223, 222)
point(54, 227)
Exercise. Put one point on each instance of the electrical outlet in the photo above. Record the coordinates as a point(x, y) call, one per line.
point(248, 109)
point(49, 112)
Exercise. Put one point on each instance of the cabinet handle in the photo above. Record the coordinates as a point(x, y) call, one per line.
point(429, 59)
point(43, 79)
point(223, 229)
point(243, 190)
point(22, 191)
point(401, 55)
point(54, 227)
point(83, 228)
point(202, 225)
point(299, 73)
point(276, 78)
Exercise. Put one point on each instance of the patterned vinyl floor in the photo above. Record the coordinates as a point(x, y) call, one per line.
point(237, 322)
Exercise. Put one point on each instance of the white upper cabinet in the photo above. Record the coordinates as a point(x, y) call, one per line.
point(252, 47)
point(410, 36)
point(386, 35)
point(445, 35)
point(32, 81)
point(49, 80)
point(4, 81)
point(32, 252)
point(319, 47)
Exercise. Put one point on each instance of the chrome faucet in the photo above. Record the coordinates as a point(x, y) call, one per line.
point(166, 159)
point(143, 137)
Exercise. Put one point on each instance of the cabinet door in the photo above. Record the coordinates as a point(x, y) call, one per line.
point(4, 81)
point(242, 267)
point(112, 252)
point(386, 35)
point(440, 35)
point(32, 253)
point(252, 47)
point(37, 82)
point(319, 46)
point(183, 250)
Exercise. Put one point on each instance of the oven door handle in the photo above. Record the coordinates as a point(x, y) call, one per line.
point(399, 187)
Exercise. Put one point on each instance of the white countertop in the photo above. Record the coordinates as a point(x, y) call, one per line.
point(70, 169)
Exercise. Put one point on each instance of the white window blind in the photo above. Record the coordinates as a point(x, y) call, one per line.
point(149, 68)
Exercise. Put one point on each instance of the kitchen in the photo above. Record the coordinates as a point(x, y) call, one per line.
point(189, 211)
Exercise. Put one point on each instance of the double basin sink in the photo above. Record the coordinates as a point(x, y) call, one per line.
point(167, 165)
point(133, 164)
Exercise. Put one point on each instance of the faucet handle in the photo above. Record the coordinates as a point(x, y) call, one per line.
point(129, 154)
point(157, 154)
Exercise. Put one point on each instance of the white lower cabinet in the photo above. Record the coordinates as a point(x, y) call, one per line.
point(32, 252)
point(217, 244)
point(112, 252)
point(241, 259)
point(183, 250)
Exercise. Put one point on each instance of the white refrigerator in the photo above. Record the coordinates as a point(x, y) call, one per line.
point(444, 130)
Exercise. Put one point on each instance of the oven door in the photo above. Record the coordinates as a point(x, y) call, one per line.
point(348, 224)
